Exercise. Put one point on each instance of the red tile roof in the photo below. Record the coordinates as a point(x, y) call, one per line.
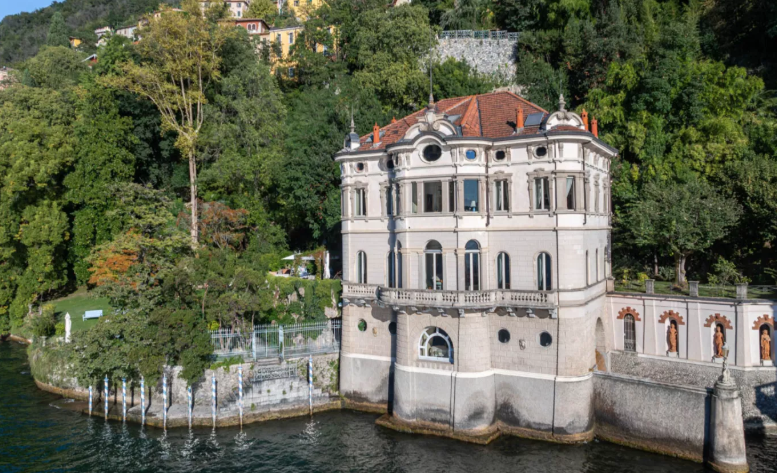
point(487, 115)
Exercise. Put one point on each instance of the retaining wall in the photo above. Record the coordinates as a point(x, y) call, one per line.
point(488, 56)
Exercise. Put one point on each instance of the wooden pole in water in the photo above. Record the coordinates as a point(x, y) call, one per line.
point(164, 404)
point(189, 394)
point(213, 403)
point(240, 392)
point(142, 401)
point(124, 399)
point(90, 400)
point(105, 382)
point(310, 383)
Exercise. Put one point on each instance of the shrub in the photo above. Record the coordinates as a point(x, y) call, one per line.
point(59, 329)
point(44, 323)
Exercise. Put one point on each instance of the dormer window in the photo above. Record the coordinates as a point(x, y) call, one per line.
point(471, 155)
point(432, 153)
point(500, 156)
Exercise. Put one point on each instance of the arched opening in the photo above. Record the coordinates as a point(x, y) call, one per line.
point(434, 344)
point(503, 271)
point(361, 267)
point(718, 340)
point(543, 272)
point(672, 337)
point(394, 274)
point(765, 342)
point(601, 349)
point(472, 266)
point(433, 255)
point(629, 334)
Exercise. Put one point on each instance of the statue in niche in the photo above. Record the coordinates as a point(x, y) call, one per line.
point(672, 338)
point(766, 344)
point(718, 342)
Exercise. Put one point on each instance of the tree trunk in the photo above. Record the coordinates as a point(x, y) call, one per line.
point(680, 269)
point(193, 191)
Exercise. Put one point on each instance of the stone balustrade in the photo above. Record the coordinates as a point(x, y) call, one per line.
point(455, 299)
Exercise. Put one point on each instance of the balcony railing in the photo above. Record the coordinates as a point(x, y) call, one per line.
point(457, 299)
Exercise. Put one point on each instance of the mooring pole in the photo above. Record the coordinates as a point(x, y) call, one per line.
point(164, 404)
point(240, 392)
point(213, 396)
point(142, 401)
point(105, 382)
point(124, 399)
point(310, 383)
point(189, 395)
point(90, 400)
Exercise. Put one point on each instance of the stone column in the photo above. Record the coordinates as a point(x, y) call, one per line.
point(727, 431)
point(693, 288)
point(742, 291)
point(650, 286)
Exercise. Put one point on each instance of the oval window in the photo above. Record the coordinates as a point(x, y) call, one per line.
point(432, 153)
point(471, 155)
point(545, 339)
point(393, 328)
point(503, 336)
point(390, 164)
point(500, 156)
point(360, 167)
point(362, 325)
point(541, 152)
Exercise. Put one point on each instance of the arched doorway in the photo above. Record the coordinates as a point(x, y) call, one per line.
point(601, 347)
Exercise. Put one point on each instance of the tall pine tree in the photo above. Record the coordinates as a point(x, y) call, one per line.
point(57, 31)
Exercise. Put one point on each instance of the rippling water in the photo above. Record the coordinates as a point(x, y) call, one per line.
point(38, 435)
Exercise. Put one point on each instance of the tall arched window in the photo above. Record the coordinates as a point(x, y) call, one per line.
point(544, 280)
point(435, 345)
point(361, 267)
point(472, 266)
point(395, 267)
point(503, 271)
point(629, 334)
point(433, 255)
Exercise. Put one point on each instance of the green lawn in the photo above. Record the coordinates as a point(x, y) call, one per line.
point(76, 304)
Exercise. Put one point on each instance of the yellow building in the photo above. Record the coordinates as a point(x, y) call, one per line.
point(286, 37)
point(75, 42)
point(302, 8)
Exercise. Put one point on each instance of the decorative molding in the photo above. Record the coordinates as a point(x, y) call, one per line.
point(629, 311)
point(764, 319)
point(670, 314)
point(718, 319)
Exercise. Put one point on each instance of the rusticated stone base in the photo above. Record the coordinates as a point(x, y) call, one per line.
point(364, 406)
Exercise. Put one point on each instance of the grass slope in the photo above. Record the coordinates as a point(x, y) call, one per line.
point(76, 304)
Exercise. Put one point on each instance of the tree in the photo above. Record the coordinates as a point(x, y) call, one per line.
point(261, 9)
point(180, 60)
point(682, 218)
point(58, 35)
point(55, 68)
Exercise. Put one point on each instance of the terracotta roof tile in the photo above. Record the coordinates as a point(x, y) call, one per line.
point(487, 115)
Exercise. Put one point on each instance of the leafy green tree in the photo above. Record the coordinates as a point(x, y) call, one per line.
point(58, 34)
point(682, 218)
point(453, 78)
point(56, 68)
point(261, 9)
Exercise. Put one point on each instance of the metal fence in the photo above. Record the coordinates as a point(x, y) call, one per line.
point(277, 341)
point(479, 34)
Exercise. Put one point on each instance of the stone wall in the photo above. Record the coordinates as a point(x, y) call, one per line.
point(489, 56)
point(653, 416)
point(759, 404)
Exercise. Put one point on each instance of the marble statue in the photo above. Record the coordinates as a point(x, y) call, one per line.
point(68, 327)
point(718, 342)
point(672, 338)
point(766, 345)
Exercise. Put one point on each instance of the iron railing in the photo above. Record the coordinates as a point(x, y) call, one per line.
point(479, 34)
point(277, 341)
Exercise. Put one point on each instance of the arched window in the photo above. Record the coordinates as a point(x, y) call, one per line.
point(472, 266)
point(435, 345)
point(361, 267)
point(544, 280)
point(433, 255)
point(629, 334)
point(503, 271)
point(395, 267)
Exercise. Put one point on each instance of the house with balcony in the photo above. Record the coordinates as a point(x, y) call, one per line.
point(476, 240)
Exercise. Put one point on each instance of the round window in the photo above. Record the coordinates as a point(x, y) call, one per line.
point(503, 336)
point(393, 328)
point(362, 325)
point(545, 339)
point(471, 155)
point(500, 156)
point(541, 152)
point(432, 153)
point(360, 167)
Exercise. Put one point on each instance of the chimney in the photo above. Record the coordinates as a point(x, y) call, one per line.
point(584, 116)
point(519, 120)
point(393, 119)
point(595, 127)
point(375, 134)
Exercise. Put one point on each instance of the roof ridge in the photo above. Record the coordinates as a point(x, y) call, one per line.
point(523, 100)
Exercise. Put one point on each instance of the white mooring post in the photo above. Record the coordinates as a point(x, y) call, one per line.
point(213, 395)
point(240, 392)
point(142, 401)
point(164, 403)
point(189, 396)
point(105, 383)
point(310, 383)
point(124, 399)
point(90, 400)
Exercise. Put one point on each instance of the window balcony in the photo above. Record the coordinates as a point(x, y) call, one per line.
point(452, 299)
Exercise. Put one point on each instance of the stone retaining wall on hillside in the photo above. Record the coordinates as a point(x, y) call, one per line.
point(488, 56)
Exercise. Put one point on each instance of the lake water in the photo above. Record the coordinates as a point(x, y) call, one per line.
point(36, 434)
